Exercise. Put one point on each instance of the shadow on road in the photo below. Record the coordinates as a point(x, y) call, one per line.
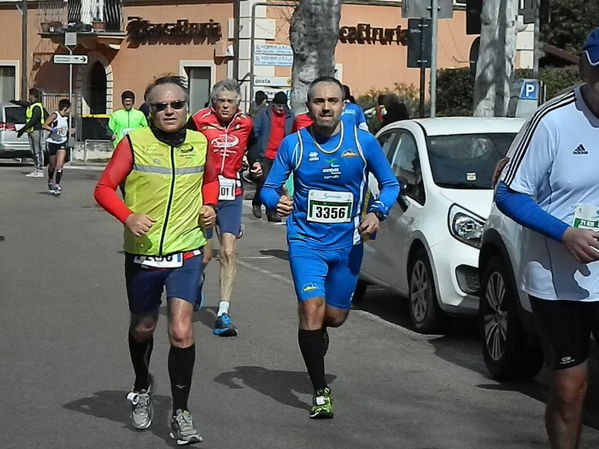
point(278, 253)
point(460, 345)
point(282, 386)
point(111, 404)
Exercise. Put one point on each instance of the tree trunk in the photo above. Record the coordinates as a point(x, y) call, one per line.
point(313, 35)
point(495, 66)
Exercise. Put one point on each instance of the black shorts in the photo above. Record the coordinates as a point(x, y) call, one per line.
point(565, 328)
point(54, 147)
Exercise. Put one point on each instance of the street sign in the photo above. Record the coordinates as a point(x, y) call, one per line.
point(415, 9)
point(70, 59)
point(70, 39)
point(529, 90)
point(419, 43)
point(275, 81)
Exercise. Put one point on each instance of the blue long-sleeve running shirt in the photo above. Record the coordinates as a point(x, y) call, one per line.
point(524, 210)
point(330, 183)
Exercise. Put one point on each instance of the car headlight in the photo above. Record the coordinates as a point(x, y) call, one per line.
point(465, 226)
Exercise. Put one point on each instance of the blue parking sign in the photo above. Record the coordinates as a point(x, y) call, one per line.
point(529, 90)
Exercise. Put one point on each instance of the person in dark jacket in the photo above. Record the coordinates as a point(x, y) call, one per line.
point(396, 110)
point(271, 125)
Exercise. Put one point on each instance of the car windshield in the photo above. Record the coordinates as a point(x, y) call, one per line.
point(467, 161)
point(15, 114)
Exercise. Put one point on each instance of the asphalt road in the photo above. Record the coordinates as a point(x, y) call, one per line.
point(65, 370)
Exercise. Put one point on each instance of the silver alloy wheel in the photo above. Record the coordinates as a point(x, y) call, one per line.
point(420, 291)
point(495, 322)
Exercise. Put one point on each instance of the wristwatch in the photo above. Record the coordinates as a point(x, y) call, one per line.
point(378, 214)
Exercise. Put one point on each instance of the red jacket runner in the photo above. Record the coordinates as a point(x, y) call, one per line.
point(227, 144)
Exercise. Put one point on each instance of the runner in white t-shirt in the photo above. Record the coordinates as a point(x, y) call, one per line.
point(551, 187)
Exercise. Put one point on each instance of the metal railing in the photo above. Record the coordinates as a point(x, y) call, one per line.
point(58, 16)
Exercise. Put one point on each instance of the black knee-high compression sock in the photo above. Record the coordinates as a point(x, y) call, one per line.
point(180, 370)
point(50, 174)
point(58, 176)
point(141, 351)
point(311, 346)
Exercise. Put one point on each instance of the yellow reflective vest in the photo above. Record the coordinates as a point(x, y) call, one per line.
point(29, 114)
point(166, 184)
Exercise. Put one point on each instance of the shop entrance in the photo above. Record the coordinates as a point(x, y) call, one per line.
point(199, 87)
point(97, 89)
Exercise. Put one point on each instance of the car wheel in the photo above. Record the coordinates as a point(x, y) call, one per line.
point(509, 351)
point(360, 291)
point(425, 312)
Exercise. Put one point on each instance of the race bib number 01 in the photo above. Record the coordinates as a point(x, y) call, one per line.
point(586, 217)
point(226, 188)
point(170, 261)
point(329, 207)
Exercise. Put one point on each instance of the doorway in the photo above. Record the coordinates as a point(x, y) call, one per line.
point(97, 89)
point(199, 87)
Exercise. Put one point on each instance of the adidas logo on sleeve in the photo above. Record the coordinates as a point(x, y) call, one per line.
point(580, 149)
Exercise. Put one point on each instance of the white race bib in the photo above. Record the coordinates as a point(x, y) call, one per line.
point(329, 207)
point(226, 188)
point(126, 131)
point(170, 261)
point(586, 217)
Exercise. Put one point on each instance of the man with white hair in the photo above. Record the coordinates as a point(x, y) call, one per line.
point(228, 130)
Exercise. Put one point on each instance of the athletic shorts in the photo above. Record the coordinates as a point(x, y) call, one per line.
point(54, 147)
point(145, 285)
point(228, 215)
point(328, 273)
point(565, 328)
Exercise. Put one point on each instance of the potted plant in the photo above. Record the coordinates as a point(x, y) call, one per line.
point(97, 22)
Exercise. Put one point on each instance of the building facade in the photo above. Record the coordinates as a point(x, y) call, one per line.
point(126, 43)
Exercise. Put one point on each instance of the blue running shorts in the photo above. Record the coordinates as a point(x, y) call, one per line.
point(330, 273)
point(228, 215)
point(145, 285)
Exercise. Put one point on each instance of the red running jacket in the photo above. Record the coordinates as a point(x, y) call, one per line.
point(227, 144)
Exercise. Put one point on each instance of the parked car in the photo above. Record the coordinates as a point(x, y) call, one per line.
point(12, 118)
point(510, 345)
point(427, 249)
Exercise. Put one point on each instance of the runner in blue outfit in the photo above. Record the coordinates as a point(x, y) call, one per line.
point(330, 162)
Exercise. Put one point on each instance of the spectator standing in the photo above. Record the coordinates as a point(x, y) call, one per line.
point(396, 110)
point(270, 127)
point(35, 115)
point(125, 120)
point(352, 114)
point(259, 104)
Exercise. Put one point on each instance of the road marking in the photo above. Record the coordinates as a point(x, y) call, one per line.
point(266, 272)
point(366, 314)
point(256, 257)
point(403, 330)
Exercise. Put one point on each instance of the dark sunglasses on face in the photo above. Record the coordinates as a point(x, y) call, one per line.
point(158, 107)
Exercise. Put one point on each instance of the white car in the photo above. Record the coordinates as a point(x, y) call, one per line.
point(12, 118)
point(427, 249)
point(510, 345)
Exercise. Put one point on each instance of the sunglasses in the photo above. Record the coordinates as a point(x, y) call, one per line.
point(158, 107)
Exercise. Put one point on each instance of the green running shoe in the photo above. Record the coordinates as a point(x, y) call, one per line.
point(322, 404)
